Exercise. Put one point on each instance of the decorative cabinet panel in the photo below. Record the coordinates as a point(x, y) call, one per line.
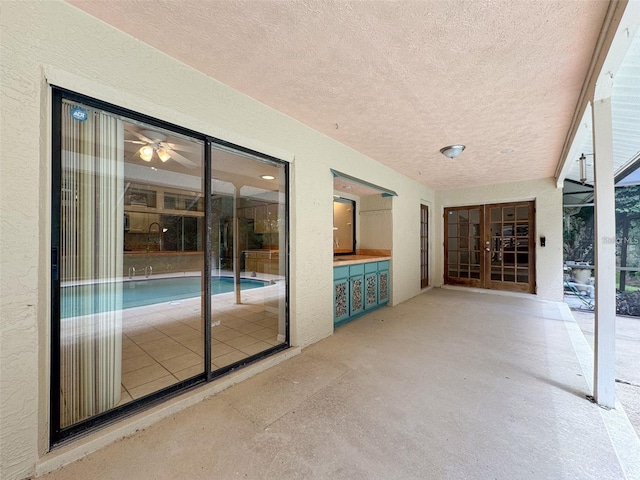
point(359, 288)
point(371, 290)
point(383, 287)
point(356, 290)
point(340, 300)
point(383, 282)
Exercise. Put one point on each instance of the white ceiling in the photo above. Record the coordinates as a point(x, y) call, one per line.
point(395, 80)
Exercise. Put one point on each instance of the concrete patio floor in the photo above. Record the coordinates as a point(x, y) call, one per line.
point(627, 360)
point(450, 384)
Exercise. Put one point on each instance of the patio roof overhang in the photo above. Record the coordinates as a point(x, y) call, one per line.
point(605, 130)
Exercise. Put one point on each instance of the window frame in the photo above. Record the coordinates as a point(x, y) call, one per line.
point(59, 436)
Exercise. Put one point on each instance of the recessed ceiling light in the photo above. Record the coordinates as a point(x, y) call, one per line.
point(267, 177)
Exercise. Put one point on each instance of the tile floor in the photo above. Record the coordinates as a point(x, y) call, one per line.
point(163, 344)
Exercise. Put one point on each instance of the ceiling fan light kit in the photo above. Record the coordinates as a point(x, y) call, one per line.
point(163, 156)
point(452, 151)
point(146, 153)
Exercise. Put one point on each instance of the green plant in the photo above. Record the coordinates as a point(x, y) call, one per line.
point(578, 236)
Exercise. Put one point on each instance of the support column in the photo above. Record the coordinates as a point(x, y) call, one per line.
point(236, 246)
point(605, 255)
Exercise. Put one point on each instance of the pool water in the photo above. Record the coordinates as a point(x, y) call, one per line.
point(85, 299)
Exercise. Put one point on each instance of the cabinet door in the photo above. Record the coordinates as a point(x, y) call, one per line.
point(260, 220)
point(383, 286)
point(137, 222)
point(371, 290)
point(340, 300)
point(356, 294)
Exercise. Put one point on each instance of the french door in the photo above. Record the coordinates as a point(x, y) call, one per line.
point(424, 246)
point(491, 246)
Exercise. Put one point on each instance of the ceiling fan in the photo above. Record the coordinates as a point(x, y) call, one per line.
point(155, 143)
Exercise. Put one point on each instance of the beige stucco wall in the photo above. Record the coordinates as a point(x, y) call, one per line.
point(548, 200)
point(376, 222)
point(53, 42)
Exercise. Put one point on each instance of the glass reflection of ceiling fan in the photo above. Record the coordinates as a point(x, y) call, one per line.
point(155, 142)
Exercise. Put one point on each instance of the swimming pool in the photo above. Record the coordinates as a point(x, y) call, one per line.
point(84, 299)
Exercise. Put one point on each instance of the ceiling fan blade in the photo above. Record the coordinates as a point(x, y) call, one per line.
point(142, 137)
point(180, 159)
point(137, 142)
point(181, 147)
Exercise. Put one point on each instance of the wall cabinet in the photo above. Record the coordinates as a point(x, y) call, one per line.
point(358, 289)
point(139, 222)
point(262, 261)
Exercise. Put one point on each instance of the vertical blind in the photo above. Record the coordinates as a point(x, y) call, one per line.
point(91, 263)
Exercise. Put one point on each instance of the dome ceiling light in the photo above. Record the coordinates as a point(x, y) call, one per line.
point(452, 151)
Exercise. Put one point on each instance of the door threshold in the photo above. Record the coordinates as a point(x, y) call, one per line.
point(490, 291)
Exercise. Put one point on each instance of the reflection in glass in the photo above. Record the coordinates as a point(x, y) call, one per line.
point(509, 275)
point(522, 213)
point(508, 214)
point(523, 276)
point(343, 225)
point(248, 254)
point(119, 251)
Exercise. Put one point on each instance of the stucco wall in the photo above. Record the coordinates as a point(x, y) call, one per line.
point(548, 200)
point(53, 42)
point(376, 226)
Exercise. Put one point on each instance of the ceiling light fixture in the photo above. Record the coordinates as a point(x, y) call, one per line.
point(163, 156)
point(267, 177)
point(146, 153)
point(452, 151)
point(583, 168)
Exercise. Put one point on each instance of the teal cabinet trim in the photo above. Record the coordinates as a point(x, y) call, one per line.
point(371, 290)
point(340, 272)
point(383, 287)
point(357, 269)
point(340, 300)
point(356, 295)
point(359, 289)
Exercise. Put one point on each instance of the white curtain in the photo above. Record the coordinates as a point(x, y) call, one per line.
point(91, 264)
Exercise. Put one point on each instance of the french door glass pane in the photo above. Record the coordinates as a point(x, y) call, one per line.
point(249, 256)
point(131, 257)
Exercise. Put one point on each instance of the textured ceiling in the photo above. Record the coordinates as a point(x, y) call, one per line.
point(395, 80)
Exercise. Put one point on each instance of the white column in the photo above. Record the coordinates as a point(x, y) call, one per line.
point(236, 245)
point(605, 255)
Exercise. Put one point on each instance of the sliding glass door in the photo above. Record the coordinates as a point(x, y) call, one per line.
point(155, 285)
point(249, 252)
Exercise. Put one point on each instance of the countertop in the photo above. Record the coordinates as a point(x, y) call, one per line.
point(158, 253)
point(340, 260)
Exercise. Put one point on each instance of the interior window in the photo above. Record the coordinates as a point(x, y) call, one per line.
point(344, 239)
